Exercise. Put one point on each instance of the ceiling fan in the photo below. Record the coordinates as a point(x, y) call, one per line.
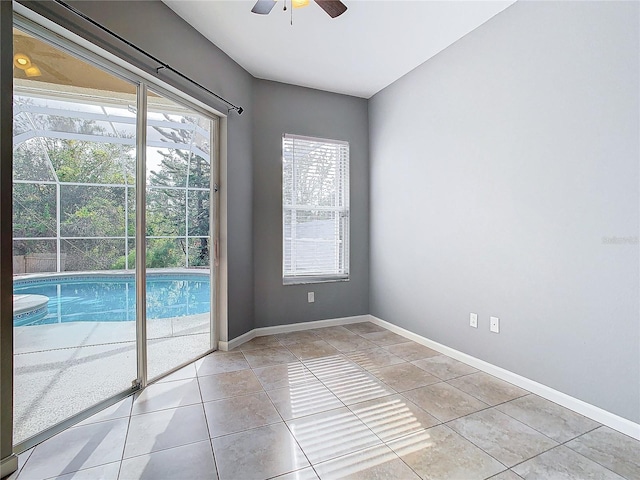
point(334, 8)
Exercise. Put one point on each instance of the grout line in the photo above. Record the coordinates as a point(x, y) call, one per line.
point(474, 444)
point(589, 458)
point(534, 428)
point(557, 444)
point(213, 453)
point(19, 470)
point(163, 449)
point(484, 401)
point(289, 430)
point(535, 456)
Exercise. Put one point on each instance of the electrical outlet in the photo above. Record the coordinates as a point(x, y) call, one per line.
point(473, 320)
point(311, 297)
point(494, 325)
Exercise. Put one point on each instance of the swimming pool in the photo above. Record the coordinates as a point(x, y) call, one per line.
point(111, 298)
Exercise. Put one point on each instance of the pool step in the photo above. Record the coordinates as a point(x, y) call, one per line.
point(28, 307)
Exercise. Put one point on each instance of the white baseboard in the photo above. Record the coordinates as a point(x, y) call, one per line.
point(296, 327)
point(583, 408)
point(293, 327)
point(236, 342)
point(595, 413)
point(8, 465)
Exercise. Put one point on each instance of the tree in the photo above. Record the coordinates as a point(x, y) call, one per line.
point(178, 206)
point(96, 215)
point(85, 211)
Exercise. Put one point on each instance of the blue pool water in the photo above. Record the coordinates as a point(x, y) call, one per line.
point(112, 298)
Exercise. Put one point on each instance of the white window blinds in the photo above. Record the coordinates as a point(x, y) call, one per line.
point(315, 209)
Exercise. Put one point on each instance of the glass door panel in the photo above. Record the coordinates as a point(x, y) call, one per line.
point(178, 250)
point(74, 175)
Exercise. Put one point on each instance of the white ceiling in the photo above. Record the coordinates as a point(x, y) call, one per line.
point(371, 45)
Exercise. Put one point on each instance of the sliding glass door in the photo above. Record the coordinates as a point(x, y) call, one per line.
point(178, 218)
point(74, 175)
point(83, 151)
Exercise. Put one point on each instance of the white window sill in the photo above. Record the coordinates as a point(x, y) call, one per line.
point(318, 279)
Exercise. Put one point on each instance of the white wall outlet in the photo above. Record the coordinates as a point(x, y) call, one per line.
point(473, 320)
point(494, 325)
point(311, 297)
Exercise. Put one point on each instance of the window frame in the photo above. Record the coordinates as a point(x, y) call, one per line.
point(342, 212)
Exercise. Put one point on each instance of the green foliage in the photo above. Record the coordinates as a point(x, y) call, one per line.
point(161, 253)
point(101, 211)
point(166, 208)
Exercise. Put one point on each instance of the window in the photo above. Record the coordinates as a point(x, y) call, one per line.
point(315, 209)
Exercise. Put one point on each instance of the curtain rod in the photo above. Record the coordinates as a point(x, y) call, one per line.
point(162, 66)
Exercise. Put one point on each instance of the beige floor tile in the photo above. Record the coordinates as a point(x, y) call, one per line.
point(301, 336)
point(77, 448)
point(305, 399)
point(236, 414)
point(506, 475)
point(357, 387)
point(283, 376)
point(405, 376)
point(444, 401)
point(193, 462)
point(304, 474)
point(221, 362)
point(168, 433)
point(351, 344)
point(257, 454)
point(230, 384)
point(611, 449)
point(257, 343)
point(563, 463)
point(266, 357)
point(377, 462)
point(384, 338)
point(183, 374)
point(103, 472)
point(315, 349)
point(393, 416)
point(444, 367)
point(164, 429)
point(374, 359)
point(337, 332)
point(331, 434)
point(556, 422)
point(503, 437)
point(327, 367)
point(441, 454)
point(411, 351)
point(489, 389)
point(166, 395)
point(121, 409)
point(364, 327)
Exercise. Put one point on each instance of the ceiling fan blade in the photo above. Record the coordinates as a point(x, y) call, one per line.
point(262, 7)
point(334, 8)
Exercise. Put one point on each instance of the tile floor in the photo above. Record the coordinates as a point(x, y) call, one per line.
point(340, 402)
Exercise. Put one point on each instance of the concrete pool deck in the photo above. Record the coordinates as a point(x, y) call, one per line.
point(61, 369)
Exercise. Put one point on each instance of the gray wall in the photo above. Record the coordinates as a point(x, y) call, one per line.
point(155, 28)
point(279, 108)
point(498, 168)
